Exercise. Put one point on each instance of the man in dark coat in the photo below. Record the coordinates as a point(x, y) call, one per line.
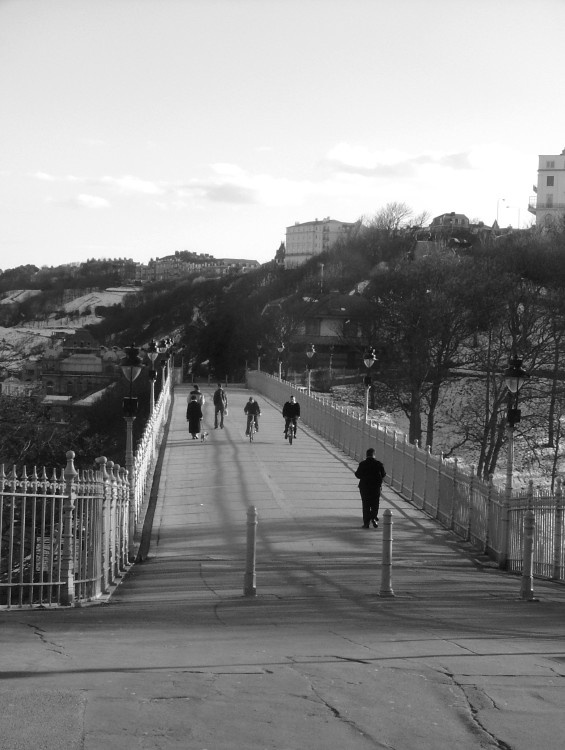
point(253, 411)
point(370, 474)
point(194, 416)
point(291, 413)
point(220, 406)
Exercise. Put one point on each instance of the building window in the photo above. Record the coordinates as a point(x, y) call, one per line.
point(350, 329)
point(312, 327)
point(550, 181)
point(549, 201)
point(550, 165)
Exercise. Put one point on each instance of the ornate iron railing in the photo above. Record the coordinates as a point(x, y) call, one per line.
point(68, 536)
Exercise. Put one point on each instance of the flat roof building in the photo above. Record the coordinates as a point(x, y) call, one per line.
point(304, 241)
point(548, 203)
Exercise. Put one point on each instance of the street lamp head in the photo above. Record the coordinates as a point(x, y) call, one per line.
point(310, 352)
point(152, 352)
point(131, 364)
point(515, 375)
point(280, 348)
point(369, 357)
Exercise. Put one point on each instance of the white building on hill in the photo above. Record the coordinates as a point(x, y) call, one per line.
point(548, 205)
point(304, 241)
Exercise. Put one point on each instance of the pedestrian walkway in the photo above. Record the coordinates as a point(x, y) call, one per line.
point(180, 658)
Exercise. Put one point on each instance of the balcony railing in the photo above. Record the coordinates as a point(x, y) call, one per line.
point(535, 205)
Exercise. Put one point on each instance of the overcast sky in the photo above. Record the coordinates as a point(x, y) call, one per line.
point(134, 128)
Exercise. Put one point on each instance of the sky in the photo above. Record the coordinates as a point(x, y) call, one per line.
point(136, 128)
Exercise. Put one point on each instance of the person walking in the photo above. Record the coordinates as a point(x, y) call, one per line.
point(253, 411)
point(194, 417)
point(291, 414)
point(197, 393)
point(220, 400)
point(370, 474)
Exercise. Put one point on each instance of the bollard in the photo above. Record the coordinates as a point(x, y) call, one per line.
point(249, 581)
point(386, 571)
point(527, 586)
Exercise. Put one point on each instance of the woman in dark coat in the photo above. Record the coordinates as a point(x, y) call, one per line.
point(194, 416)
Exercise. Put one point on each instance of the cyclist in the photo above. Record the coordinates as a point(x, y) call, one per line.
point(291, 414)
point(253, 411)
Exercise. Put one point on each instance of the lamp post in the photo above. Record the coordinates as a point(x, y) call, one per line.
point(152, 353)
point(309, 354)
point(332, 349)
point(369, 361)
point(162, 348)
point(280, 349)
point(514, 378)
point(497, 206)
point(259, 351)
point(131, 367)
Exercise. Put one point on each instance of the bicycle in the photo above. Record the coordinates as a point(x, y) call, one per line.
point(252, 429)
point(291, 430)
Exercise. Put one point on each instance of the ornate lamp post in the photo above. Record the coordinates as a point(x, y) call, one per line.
point(131, 367)
point(152, 353)
point(309, 354)
point(163, 348)
point(332, 349)
point(259, 352)
point(280, 349)
point(514, 377)
point(369, 360)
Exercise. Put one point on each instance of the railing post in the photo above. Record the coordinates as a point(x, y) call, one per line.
point(558, 536)
point(488, 513)
point(415, 449)
point(249, 581)
point(386, 566)
point(403, 468)
point(426, 478)
point(527, 584)
point(124, 489)
point(130, 466)
point(68, 546)
point(470, 510)
point(106, 533)
point(505, 517)
point(393, 463)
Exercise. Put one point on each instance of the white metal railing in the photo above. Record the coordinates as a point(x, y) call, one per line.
point(67, 537)
point(145, 456)
point(64, 536)
point(479, 512)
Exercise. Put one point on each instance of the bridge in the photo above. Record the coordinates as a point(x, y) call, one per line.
point(177, 656)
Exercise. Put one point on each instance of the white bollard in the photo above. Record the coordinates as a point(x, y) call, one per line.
point(386, 570)
point(527, 585)
point(249, 580)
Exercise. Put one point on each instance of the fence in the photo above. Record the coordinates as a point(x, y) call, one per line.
point(477, 511)
point(67, 537)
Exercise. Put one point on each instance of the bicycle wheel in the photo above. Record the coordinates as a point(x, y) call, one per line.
point(251, 431)
point(290, 435)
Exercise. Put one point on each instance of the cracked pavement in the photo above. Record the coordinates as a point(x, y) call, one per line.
point(179, 658)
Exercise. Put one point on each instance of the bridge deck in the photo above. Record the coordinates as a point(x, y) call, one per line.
point(179, 658)
point(309, 537)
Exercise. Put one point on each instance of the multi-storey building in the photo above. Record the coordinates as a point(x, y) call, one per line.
point(178, 265)
point(448, 224)
point(304, 241)
point(548, 205)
